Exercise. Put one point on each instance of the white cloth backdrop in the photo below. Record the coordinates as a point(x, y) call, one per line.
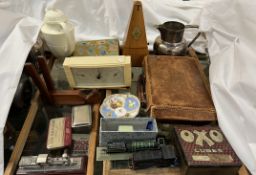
point(17, 35)
point(230, 27)
point(228, 23)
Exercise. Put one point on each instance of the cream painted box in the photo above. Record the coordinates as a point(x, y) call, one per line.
point(98, 71)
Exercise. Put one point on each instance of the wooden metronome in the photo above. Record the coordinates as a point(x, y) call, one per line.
point(136, 41)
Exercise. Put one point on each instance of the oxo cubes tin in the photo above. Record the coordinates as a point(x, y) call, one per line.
point(205, 150)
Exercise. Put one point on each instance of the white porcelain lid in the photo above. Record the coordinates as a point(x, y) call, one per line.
point(54, 15)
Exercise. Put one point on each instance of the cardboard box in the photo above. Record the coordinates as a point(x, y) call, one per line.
point(97, 48)
point(127, 129)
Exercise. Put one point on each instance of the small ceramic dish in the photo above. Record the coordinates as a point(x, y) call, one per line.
point(120, 106)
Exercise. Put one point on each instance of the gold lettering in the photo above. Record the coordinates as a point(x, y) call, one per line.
point(201, 138)
point(187, 136)
point(216, 136)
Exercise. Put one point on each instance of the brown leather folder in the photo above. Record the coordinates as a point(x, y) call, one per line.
point(177, 89)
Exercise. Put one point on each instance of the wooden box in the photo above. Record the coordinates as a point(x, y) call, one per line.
point(97, 47)
point(98, 71)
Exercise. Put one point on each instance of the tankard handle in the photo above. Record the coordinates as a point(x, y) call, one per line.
point(194, 39)
point(69, 40)
point(191, 26)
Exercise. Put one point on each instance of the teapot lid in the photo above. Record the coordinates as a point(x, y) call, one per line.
point(54, 15)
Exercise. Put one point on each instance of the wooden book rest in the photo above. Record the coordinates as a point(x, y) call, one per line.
point(59, 97)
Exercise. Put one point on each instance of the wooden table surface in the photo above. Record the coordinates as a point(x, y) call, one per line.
point(107, 170)
point(24, 133)
point(93, 140)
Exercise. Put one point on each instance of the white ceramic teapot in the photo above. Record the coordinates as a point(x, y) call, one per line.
point(58, 33)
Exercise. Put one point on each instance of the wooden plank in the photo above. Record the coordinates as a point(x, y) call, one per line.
point(93, 140)
point(243, 171)
point(149, 171)
point(106, 167)
point(46, 73)
point(21, 141)
point(107, 170)
point(30, 70)
point(108, 92)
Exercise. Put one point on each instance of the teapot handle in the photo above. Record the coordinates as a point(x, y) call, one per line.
point(195, 38)
point(70, 45)
point(191, 26)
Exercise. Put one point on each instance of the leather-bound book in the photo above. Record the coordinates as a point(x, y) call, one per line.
point(177, 89)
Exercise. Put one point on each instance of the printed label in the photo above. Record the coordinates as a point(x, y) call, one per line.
point(201, 138)
point(59, 133)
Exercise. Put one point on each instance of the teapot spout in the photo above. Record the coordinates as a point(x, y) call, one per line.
point(161, 28)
